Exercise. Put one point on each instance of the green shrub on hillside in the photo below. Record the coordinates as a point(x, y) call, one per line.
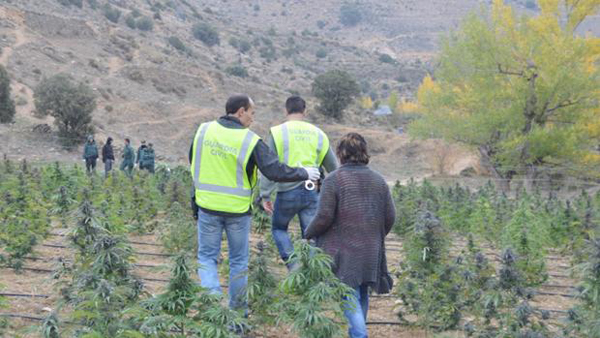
point(206, 34)
point(321, 53)
point(76, 3)
point(177, 43)
point(7, 106)
point(70, 103)
point(130, 21)
point(350, 15)
point(144, 24)
point(335, 90)
point(237, 70)
point(385, 58)
point(111, 13)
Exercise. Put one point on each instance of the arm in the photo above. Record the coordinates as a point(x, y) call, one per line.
point(330, 162)
point(390, 210)
point(269, 165)
point(326, 211)
point(267, 186)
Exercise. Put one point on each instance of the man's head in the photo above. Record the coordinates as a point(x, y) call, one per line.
point(127, 141)
point(295, 105)
point(90, 138)
point(150, 145)
point(143, 142)
point(109, 140)
point(242, 107)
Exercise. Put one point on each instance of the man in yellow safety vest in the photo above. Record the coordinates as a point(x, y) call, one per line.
point(224, 158)
point(296, 142)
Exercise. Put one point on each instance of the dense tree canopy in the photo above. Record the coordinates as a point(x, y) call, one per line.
point(523, 90)
point(71, 104)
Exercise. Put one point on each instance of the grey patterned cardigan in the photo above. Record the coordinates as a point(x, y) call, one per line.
point(355, 213)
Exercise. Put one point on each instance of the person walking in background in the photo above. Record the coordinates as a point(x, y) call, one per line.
point(140, 155)
point(108, 156)
point(148, 158)
point(128, 158)
point(296, 142)
point(224, 158)
point(90, 154)
point(355, 213)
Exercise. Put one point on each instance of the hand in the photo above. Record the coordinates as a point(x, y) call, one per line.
point(313, 173)
point(268, 206)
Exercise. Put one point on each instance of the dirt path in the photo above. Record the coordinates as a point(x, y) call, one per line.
point(20, 39)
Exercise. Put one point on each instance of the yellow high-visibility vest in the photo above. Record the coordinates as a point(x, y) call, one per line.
point(219, 159)
point(300, 143)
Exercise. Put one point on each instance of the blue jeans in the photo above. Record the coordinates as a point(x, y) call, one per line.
point(210, 232)
point(356, 312)
point(288, 204)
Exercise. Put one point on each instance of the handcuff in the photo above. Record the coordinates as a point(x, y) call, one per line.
point(309, 185)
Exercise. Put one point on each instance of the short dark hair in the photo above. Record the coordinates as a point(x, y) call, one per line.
point(352, 148)
point(295, 104)
point(235, 102)
point(127, 140)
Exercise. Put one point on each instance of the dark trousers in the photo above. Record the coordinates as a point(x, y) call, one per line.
point(90, 164)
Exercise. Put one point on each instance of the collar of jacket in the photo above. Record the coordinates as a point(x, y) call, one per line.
point(354, 165)
point(228, 121)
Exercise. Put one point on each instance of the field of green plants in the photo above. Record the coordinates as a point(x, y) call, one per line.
point(115, 258)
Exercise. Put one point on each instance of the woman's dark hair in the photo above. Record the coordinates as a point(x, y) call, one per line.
point(235, 102)
point(295, 104)
point(352, 148)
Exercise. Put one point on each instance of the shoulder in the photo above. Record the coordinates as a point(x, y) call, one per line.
point(332, 177)
point(378, 178)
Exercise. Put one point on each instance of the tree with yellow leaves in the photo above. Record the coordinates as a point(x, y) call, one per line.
point(523, 90)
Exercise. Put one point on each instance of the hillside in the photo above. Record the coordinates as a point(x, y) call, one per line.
point(148, 89)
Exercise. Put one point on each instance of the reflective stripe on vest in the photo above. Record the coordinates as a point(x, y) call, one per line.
point(221, 188)
point(281, 135)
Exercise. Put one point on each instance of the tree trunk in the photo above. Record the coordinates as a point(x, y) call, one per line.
point(503, 182)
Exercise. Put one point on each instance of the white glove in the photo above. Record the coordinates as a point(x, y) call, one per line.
point(313, 173)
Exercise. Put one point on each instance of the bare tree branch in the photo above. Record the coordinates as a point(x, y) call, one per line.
point(507, 72)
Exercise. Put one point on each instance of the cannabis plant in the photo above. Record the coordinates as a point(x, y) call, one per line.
point(584, 318)
point(314, 295)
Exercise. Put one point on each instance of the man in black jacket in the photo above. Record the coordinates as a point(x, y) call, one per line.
point(108, 156)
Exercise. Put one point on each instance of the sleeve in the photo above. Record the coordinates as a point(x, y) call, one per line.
point(269, 165)
point(330, 162)
point(137, 158)
point(326, 210)
point(266, 185)
point(390, 210)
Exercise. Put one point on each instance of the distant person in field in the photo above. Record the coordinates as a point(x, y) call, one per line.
point(224, 157)
point(355, 213)
point(90, 154)
point(296, 143)
point(148, 158)
point(108, 156)
point(128, 158)
point(140, 155)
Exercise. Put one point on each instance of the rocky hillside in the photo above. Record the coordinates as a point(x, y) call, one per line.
point(156, 80)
